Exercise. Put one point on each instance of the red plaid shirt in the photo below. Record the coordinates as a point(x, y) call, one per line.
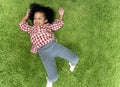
point(41, 35)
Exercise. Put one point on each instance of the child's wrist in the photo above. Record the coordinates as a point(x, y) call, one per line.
point(60, 17)
point(26, 16)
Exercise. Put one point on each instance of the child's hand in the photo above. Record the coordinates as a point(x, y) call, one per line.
point(61, 11)
point(26, 16)
point(27, 13)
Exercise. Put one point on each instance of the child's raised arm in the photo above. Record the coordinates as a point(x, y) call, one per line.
point(23, 23)
point(26, 16)
point(58, 22)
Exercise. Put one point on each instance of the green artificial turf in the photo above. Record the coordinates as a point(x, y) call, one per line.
point(91, 29)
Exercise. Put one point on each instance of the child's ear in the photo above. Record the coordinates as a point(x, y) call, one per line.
point(46, 20)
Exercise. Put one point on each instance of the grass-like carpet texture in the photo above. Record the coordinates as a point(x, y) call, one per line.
point(91, 29)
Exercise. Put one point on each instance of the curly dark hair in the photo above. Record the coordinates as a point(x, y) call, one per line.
point(49, 12)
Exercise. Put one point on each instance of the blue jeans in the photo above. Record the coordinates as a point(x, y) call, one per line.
point(48, 53)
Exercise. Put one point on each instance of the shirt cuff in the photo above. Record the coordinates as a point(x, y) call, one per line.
point(60, 21)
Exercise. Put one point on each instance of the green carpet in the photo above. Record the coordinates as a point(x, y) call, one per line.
point(91, 29)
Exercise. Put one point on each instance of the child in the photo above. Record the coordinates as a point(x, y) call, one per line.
point(43, 40)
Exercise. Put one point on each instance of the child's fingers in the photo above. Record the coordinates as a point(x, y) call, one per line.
point(61, 9)
point(28, 12)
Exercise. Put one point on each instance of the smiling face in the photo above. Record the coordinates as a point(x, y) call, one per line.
point(39, 18)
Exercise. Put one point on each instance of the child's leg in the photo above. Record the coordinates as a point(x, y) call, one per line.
point(67, 54)
point(50, 67)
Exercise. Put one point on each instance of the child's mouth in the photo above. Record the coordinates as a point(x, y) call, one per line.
point(37, 24)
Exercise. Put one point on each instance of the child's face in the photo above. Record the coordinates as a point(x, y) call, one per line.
point(39, 19)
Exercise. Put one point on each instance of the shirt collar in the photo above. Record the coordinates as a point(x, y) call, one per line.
point(42, 25)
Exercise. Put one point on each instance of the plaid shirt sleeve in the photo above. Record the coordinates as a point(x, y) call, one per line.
point(34, 49)
point(24, 26)
point(56, 25)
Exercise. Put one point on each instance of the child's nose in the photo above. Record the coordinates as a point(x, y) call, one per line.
point(36, 20)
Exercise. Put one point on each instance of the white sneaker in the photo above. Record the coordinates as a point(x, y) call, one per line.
point(49, 84)
point(72, 67)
